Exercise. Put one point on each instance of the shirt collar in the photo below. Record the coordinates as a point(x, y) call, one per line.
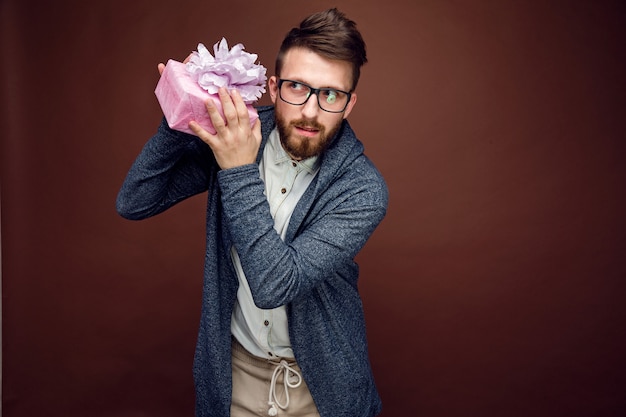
point(280, 156)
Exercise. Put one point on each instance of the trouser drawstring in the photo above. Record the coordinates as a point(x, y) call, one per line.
point(291, 379)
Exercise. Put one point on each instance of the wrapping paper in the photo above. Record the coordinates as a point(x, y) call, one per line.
point(183, 89)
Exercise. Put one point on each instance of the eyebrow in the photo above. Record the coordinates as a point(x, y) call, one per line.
point(321, 88)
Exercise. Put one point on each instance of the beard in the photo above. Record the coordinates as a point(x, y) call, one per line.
point(302, 147)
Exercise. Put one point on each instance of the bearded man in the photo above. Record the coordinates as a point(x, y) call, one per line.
point(291, 201)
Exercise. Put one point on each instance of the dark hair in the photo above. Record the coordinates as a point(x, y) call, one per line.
point(330, 34)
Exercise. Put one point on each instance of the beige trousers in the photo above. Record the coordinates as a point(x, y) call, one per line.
point(252, 378)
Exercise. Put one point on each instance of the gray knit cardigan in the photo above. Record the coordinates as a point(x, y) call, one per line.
point(312, 272)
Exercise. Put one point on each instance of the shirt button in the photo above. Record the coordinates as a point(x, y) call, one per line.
point(294, 164)
point(283, 190)
point(266, 322)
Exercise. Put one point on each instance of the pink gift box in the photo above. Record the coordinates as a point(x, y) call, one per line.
point(182, 100)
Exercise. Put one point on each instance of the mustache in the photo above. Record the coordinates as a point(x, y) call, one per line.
point(307, 124)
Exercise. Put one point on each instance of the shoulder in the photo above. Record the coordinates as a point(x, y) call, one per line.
point(367, 182)
point(350, 172)
point(348, 157)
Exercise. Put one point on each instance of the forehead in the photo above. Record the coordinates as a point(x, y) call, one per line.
point(301, 64)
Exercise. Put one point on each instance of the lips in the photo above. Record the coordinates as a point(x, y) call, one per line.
point(307, 129)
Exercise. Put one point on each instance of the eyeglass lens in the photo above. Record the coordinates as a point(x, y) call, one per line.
point(328, 99)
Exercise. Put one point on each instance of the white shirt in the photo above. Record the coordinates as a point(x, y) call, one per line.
point(264, 333)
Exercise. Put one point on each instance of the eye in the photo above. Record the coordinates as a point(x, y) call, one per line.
point(330, 96)
point(296, 86)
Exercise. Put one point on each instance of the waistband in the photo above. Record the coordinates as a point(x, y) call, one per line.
point(291, 376)
point(241, 353)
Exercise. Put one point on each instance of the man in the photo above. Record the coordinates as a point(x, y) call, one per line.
point(291, 201)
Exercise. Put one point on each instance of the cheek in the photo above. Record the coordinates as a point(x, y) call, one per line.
point(332, 122)
point(286, 111)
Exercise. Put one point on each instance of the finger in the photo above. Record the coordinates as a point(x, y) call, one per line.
point(200, 132)
point(228, 107)
point(241, 108)
point(216, 118)
point(161, 67)
point(188, 58)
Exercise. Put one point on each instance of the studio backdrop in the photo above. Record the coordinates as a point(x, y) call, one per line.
point(494, 287)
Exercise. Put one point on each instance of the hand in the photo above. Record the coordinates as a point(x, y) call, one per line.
point(235, 142)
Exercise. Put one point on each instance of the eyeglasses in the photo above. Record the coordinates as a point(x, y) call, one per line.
point(297, 93)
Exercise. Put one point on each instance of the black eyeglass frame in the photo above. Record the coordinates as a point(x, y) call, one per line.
point(313, 91)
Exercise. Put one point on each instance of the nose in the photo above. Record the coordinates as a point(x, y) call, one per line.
point(310, 108)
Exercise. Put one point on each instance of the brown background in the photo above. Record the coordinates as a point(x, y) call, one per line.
point(495, 286)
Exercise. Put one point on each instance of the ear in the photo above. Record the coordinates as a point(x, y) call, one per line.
point(351, 104)
point(272, 86)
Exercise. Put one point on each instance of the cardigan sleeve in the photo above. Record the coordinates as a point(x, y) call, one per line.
point(279, 272)
point(171, 167)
